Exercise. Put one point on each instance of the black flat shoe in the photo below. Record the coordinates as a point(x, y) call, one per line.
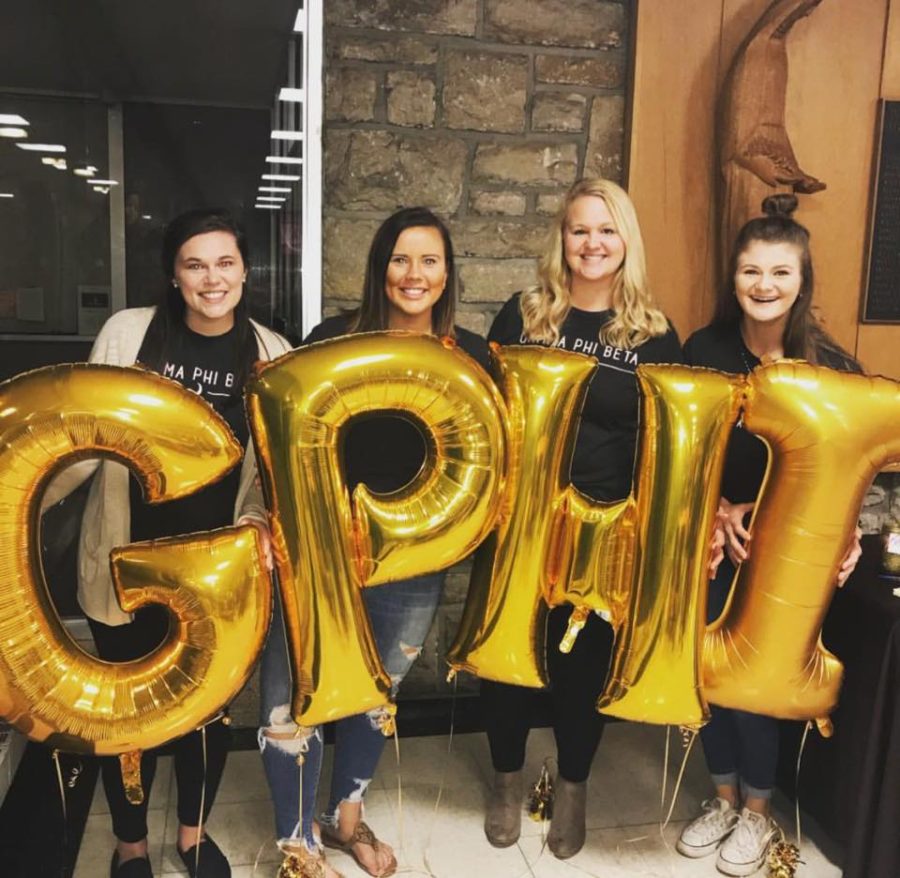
point(212, 861)
point(136, 868)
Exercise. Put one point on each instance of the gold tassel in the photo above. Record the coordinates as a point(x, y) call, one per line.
point(387, 722)
point(540, 799)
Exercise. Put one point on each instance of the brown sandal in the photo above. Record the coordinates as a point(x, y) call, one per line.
point(361, 835)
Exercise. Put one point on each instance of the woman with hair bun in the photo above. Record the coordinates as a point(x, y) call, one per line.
point(763, 314)
point(592, 297)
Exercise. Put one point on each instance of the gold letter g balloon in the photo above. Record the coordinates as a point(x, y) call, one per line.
point(212, 583)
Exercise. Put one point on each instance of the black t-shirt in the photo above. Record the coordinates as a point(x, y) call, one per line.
point(210, 367)
point(721, 346)
point(385, 452)
point(603, 461)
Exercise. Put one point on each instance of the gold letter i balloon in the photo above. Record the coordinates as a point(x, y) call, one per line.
point(829, 434)
point(212, 583)
point(329, 545)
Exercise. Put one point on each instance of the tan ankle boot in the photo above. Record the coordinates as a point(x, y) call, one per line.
point(503, 820)
point(567, 829)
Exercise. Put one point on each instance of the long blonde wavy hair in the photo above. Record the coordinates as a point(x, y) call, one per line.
point(545, 307)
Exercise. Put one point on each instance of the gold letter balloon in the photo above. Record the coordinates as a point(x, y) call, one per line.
point(829, 434)
point(496, 474)
point(328, 545)
point(212, 583)
point(642, 561)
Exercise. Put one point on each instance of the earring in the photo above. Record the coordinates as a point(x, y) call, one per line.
point(175, 284)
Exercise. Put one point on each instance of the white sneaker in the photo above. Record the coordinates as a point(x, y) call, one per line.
point(703, 835)
point(746, 848)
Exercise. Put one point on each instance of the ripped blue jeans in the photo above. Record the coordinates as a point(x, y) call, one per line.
point(400, 614)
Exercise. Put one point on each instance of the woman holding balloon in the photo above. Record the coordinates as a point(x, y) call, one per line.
point(766, 315)
point(201, 336)
point(410, 284)
point(592, 297)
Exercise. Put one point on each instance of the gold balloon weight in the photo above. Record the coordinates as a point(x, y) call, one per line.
point(540, 800)
point(783, 859)
point(298, 862)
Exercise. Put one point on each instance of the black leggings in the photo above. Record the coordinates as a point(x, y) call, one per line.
point(122, 643)
point(576, 681)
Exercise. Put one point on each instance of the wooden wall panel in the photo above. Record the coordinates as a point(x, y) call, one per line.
point(833, 91)
point(890, 76)
point(671, 162)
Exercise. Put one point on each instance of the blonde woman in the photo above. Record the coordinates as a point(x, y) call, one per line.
point(592, 297)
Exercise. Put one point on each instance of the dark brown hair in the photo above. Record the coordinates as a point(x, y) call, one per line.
point(372, 314)
point(169, 317)
point(804, 337)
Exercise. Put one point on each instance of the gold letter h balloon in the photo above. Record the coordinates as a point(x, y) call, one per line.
point(497, 474)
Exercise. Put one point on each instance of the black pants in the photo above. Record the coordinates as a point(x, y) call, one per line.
point(121, 643)
point(576, 680)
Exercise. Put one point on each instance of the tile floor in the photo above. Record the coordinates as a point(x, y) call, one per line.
point(444, 839)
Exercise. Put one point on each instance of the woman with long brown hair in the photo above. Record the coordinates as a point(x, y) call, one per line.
point(763, 314)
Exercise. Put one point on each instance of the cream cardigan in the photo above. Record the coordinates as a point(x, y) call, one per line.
point(107, 514)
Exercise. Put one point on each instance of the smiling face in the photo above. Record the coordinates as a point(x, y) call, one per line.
point(767, 281)
point(210, 273)
point(593, 248)
point(415, 278)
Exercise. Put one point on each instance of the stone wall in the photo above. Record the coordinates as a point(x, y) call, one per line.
point(485, 111)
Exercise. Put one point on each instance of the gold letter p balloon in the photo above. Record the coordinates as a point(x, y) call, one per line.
point(327, 548)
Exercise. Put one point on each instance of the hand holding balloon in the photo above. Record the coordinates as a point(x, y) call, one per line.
point(716, 548)
point(848, 565)
point(736, 536)
point(264, 535)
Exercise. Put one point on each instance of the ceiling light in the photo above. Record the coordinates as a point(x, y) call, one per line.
point(267, 206)
point(85, 170)
point(291, 94)
point(94, 182)
point(42, 147)
point(287, 135)
point(13, 132)
point(298, 22)
point(51, 161)
point(287, 178)
point(7, 195)
point(103, 190)
point(270, 198)
point(12, 119)
point(283, 160)
point(274, 188)
point(146, 216)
